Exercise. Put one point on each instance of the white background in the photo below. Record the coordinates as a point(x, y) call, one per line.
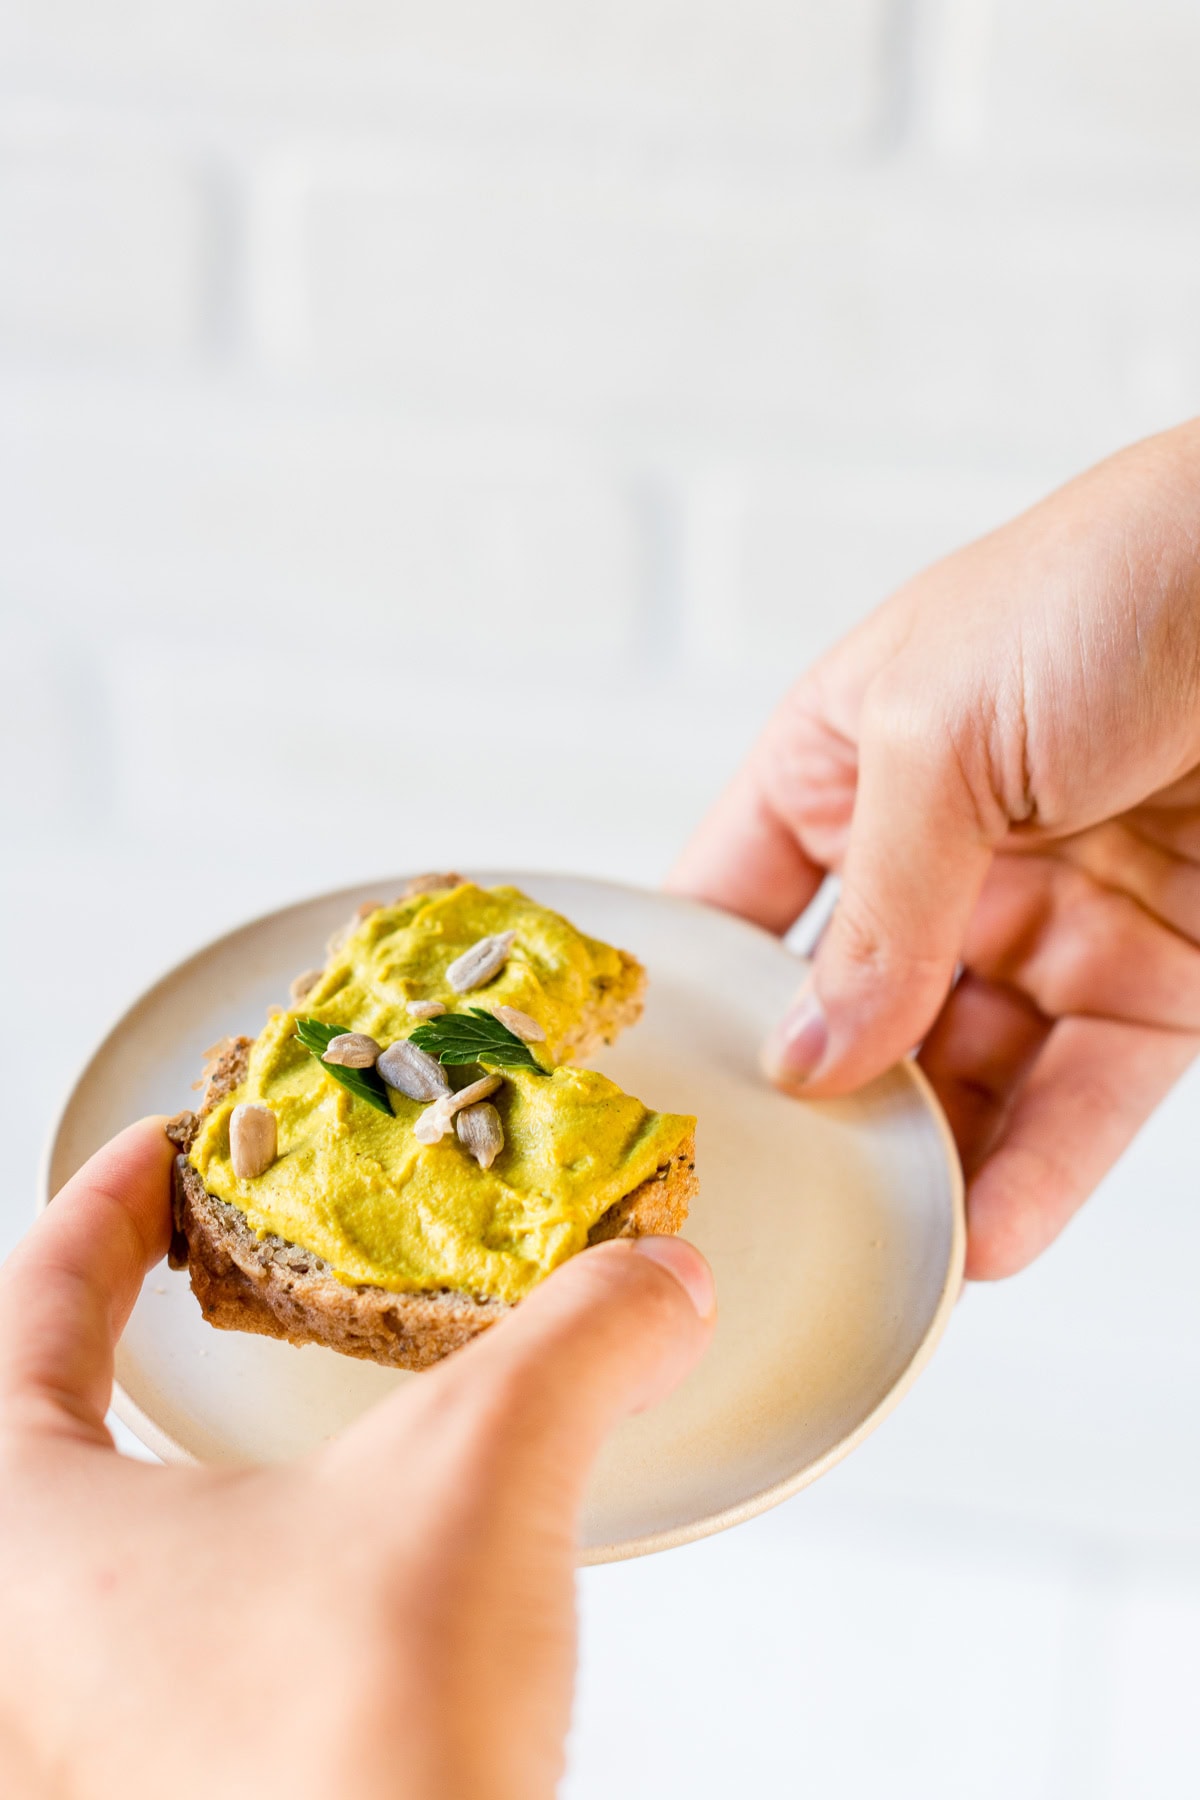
point(436, 434)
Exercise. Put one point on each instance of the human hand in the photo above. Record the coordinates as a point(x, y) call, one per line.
point(1003, 763)
point(391, 1616)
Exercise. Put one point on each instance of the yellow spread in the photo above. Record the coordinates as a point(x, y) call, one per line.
point(356, 1187)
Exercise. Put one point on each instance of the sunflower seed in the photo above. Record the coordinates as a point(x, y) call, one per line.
point(413, 1072)
point(480, 962)
point(352, 1050)
point(480, 1131)
point(253, 1140)
point(438, 1119)
point(430, 884)
point(520, 1023)
point(304, 984)
point(426, 1009)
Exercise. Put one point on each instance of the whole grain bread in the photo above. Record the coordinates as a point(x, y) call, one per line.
point(278, 1289)
point(266, 1285)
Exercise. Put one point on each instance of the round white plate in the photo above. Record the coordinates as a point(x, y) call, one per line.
point(835, 1229)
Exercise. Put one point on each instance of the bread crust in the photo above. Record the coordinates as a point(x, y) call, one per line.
point(278, 1289)
point(609, 1014)
point(266, 1285)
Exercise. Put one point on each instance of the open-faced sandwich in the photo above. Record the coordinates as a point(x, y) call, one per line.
point(398, 1159)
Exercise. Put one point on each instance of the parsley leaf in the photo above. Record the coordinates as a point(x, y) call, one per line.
point(476, 1036)
point(364, 1084)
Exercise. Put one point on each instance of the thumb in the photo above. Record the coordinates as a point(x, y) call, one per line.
point(611, 1332)
point(68, 1288)
point(919, 849)
point(530, 1402)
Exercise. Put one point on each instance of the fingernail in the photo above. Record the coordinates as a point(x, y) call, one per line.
point(687, 1266)
point(799, 1041)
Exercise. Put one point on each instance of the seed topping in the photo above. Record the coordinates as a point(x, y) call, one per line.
point(413, 1072)
point(438, 1119)
point(480, 1131)
point(520, 1023)
point(352, 1050)
point(253, 1140)
point(481, 962)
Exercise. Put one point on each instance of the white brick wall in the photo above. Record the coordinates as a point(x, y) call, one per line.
point(595, 366)
point(107, 245)
point(804, 74)
point(234, 511)
point(1095, 82)
point(904, 312)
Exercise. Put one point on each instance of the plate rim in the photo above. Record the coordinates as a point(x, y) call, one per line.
point(158, 1440)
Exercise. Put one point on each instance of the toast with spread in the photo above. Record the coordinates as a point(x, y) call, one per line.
point(403, 1153)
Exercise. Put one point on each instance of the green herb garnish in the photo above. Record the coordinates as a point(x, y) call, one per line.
point(364, 1084)
point(476, 1036)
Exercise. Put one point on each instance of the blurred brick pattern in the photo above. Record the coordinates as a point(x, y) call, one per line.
point(538, 387)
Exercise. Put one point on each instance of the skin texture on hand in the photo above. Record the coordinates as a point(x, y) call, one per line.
point(392, 1616)
point(1003, 764)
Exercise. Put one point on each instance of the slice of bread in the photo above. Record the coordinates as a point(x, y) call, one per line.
point(278, 1289)
point(266, 1285)
point(614, 1003)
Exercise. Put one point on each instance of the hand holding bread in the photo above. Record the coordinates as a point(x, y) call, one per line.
point(392, 1616)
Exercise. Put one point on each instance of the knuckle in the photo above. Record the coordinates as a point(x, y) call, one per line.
point(1102, 953)
point(1065, 981)
point(895, 713)
point(870, 950)
point(954, 743)
point(862, 941)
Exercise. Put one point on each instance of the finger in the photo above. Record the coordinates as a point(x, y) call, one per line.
point(529, 1404)
point(981, 1047)
point(916, 860)
point(782, 824)
point(1076, 945)
point(1125, 856)
point(1094, 1084)
point(69, 1287)
point(747, 859)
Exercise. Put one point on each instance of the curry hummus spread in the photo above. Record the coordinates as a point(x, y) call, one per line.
point(408, 1149)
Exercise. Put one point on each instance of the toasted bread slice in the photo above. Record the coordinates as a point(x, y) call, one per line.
point(615, 1002)
point(266, 1285)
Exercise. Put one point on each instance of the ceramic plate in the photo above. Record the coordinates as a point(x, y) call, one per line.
point(835, 1228)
